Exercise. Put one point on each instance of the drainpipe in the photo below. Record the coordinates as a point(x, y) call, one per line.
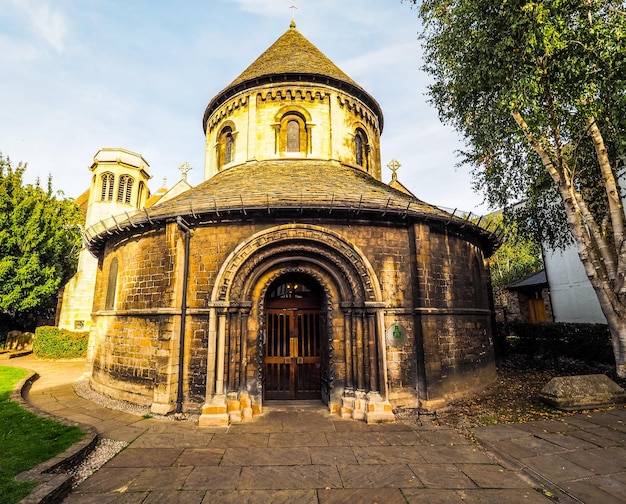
point(183, 226)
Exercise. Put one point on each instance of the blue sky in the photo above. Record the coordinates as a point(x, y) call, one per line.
point(79, 75)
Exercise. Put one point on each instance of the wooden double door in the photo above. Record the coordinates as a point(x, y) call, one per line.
point(293, 354)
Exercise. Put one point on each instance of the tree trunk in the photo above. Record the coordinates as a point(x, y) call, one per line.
point(617, 327)
point(603, 261)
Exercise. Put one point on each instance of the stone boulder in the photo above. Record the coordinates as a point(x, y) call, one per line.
point(571, 393)
point(18, 340)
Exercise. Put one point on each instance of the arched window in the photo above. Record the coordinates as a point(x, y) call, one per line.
point(109, 303)
point(107, 179)
point(125, 188)
point(293, 136)
point(225, 147)
point(140, 194)
point(361, 148)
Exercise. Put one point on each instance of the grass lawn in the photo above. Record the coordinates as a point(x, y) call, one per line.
point(25, 439)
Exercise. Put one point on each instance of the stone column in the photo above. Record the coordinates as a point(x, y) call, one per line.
point(360, 398)
point(378, 408)
point(373, 357)
point(214, 410)
point(347, 401)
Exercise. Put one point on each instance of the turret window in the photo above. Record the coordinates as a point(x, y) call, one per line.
point(361, 148)
point(107, 179)
point(293, 136)
point(125, 188)
point(141, 194)
point(225, 147)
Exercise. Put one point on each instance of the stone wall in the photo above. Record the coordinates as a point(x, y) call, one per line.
point(332, 118)
point(432, 283)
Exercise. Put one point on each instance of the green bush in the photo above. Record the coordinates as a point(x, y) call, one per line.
point(587, 342)
point(54, 343)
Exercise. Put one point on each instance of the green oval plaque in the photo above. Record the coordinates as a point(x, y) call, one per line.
point(396, 335)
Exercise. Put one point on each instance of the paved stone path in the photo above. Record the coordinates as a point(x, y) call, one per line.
point(581, 458)
point(299, 454)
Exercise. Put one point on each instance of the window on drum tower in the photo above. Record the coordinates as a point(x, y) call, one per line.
point(125, 188)
point(361, 148)
point(107, 179)
point(226, 147)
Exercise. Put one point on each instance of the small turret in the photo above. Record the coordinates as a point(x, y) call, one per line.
point(119, 184)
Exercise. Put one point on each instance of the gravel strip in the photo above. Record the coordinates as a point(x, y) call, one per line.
point(104, 451)
point(84, 390)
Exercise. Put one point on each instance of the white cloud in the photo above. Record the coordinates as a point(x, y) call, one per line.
point(12, 50)
point(49, 24)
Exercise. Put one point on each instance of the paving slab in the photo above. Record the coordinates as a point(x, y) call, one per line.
point(110, 479)
point(146, 457)
point(289, 477)
point(431, 496)
point(586, 491)
point(295, 439)
point(332, 455)
point(299, 453)
point(454, 454)
point(387, 455)
point(378, 476)
point(177, 497)
point(442, 476)
point(354, 495)
point(200, 457)
point(264, 456)
point(508, 496)
point(161, 478)
point(112, 498)
point(213, 478)
point(262, 497)
point(492, 476)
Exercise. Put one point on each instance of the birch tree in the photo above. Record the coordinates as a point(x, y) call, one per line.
point(538, 91)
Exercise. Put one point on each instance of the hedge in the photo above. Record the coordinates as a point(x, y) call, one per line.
point(54, 343)
point(587, 342)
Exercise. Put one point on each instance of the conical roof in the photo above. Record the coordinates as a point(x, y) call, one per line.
point(292, 53)
point(293, 57)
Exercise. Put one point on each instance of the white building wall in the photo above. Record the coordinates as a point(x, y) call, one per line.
point(573, 298)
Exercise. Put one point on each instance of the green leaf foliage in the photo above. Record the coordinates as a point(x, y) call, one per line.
point(54, 343)
point(555, 63)
point(519, 255)
point(39, 243)
point(538, 91)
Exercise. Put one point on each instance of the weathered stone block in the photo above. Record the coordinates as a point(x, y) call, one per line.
point(582, 392)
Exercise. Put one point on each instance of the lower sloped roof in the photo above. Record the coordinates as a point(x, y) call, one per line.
point(289, 186)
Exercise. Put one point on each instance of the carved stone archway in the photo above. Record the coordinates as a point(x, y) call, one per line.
point(354, 321)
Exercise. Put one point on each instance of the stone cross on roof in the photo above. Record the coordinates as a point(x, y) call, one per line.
point(184, 168)
point(393, 166)
point(293, 12)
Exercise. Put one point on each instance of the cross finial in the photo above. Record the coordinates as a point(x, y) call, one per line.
point(293, 13)
point(393, 166)
point(184, 168)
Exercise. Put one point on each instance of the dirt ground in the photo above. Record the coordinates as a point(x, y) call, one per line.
point(513, 397)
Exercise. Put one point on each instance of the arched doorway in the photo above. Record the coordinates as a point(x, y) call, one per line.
point(295, 356)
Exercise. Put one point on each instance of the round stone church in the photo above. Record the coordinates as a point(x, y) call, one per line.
point(292, 272)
